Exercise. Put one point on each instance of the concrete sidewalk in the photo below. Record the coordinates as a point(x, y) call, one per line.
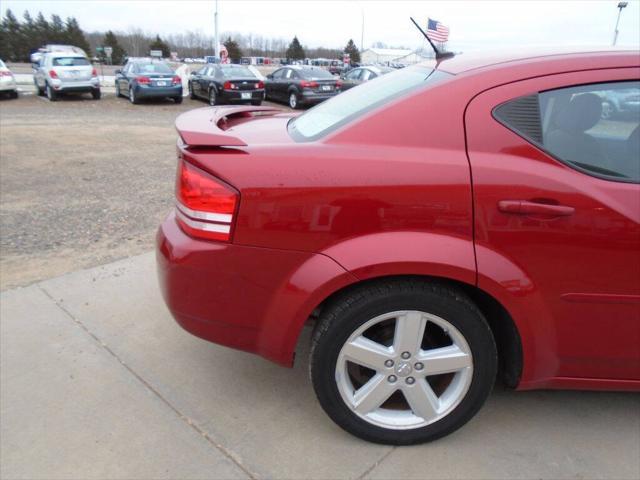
point(97, 381)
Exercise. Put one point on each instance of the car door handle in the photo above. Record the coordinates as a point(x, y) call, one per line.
point(524, 207)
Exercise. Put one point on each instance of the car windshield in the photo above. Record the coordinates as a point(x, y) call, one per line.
point(353, 103)
point(70, 61)
point(315, 73)
point(149, 68)
point(231, 71)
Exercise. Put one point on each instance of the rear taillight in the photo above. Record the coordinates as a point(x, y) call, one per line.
point(176, 80)
point(53, 74)
point(144, 80)
point(230, 86)
point(307, 84)
point(5, 74)
point(260, 84)
point(94, 72)
point(205, 205)
point(338, 83)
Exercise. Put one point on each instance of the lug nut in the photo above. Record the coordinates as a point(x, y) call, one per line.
point(410, 380)
point(388, 363)
point(405, 355)
point(392, 378)
point(419, 366)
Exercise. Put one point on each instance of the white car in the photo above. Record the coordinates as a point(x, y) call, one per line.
point(63, 72)
point(7, 81)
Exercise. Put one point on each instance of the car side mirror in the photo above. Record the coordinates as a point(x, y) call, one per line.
point(270, 76)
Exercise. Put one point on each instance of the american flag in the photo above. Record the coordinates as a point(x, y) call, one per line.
point(437, 31)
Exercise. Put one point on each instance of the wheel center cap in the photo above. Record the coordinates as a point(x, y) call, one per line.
point(403, 369)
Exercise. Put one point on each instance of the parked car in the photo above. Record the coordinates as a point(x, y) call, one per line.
point(220, 84)
point(619, 102)
point(298, 85)
point(65, 71)
point(362, 74)
point(447, 223)
point(7, 82)
point(143, 78)
point(336, 67)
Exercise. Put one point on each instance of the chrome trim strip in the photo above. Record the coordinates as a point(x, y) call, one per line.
point(209, 227)
point(209, 217)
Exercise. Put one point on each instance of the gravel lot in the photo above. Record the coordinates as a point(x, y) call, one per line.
point(82, 182)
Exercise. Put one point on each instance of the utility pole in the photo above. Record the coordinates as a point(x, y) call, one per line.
point(362, 32)
point(621, 5)
point(216, 40)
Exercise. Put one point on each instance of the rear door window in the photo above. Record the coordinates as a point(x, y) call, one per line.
point(592, 128)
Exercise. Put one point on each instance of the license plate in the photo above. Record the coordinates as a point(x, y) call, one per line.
point(326, 88)
point(161, 84)
point(245, 95)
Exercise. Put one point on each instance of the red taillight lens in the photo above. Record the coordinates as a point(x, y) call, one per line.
point(307, 84)
point(230, 86)
point(338, 83)
point(5, 74)
point(94, 72)
point(144, 80)
point(53, 74)
point(260, 84)
point(205, 205)
point(176, 80)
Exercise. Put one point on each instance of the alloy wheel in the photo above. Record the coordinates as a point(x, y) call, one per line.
point(404, 370)
point(293, 100)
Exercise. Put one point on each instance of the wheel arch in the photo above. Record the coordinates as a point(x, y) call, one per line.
point(501, 323)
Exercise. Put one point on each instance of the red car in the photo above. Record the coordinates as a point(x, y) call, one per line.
point(438, 226)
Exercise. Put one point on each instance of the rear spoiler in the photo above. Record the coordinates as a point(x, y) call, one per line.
point(200, 127)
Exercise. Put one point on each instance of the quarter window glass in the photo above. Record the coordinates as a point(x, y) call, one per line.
point(366, 75)
point(354, 75)
point(593, 128)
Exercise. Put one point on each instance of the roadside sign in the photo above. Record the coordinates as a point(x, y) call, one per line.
point(108, 51)
point(156, 53)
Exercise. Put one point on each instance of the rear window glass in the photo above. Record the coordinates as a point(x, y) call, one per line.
point(315, 73)
point(2, 64)
point(152, 68)
point(70, 61)
point(355, 102)
point(236, 71)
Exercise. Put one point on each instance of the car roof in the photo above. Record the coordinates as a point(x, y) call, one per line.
point(65, 54)
point(499, 59)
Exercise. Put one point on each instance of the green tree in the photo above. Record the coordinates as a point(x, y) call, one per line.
point(233, 49)
point(57, 31)
point(10, 37)
point(118, 55)
point(295, 50)
point(75, 35)
point(159, 44)
point(352, 50)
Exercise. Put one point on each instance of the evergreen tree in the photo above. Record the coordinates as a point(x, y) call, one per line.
point(75, 35)
point(10, 37)
point(57, 33)
point(352, 50)
point(233, 49)
point(159, 44)
point(295, 50)
point(118, 54)
point(41, 31)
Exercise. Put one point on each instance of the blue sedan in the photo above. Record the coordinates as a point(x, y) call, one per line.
point(146, 78)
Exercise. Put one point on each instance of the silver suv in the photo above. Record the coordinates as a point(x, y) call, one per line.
point(57, 73)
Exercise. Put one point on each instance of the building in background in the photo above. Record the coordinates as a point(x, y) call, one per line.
point(387, 56)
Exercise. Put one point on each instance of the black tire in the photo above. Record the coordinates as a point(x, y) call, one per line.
point(213, 97)
point(96, 93)
point(133, 97)
point(257, 103)
point(349, 311)
point(13, 94)
point(192, 95)
point(294, 100)
point(178, 100)
point(52, 95)
point(39, 90)
point(118, 93)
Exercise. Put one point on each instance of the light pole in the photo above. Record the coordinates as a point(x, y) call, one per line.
point(362, 32)
point(621, 5)
point(217, 45)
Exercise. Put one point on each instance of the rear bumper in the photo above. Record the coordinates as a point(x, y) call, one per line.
point(158, 92)
point(248, 298)
point(8, 86)
point(75, 87)
point(312, 97)
point(232, 96)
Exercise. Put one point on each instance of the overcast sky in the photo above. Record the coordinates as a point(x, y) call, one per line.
point(474, 24)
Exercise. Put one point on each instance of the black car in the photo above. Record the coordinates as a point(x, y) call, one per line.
point(301, 85)
point(220, 84)
point(147, 78)
point(360, 75)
